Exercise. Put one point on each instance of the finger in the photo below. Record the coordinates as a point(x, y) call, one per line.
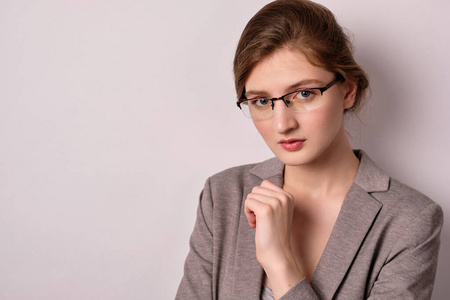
point(251, 217)
point(271, 197)
point(271, 186)
point(259, 190)
point(255, 209)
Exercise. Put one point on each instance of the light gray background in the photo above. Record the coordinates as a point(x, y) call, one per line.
point(114, 113)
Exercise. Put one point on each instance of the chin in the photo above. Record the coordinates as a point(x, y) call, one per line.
point(296, 162)
point(295, 158)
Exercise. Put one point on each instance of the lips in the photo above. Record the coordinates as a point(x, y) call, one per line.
point(291, 144)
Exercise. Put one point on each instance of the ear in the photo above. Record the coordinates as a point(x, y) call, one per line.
point(350, 94)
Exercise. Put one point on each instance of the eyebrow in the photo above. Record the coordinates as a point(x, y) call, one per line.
point(292, 87)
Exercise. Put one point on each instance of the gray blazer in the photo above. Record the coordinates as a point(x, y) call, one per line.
point(384, 244)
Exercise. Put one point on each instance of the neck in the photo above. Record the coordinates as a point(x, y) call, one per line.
point(330, 174)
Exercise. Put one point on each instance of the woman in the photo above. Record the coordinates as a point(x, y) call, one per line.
point(318, 221)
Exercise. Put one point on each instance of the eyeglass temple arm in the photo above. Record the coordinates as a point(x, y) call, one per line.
point(338, 78)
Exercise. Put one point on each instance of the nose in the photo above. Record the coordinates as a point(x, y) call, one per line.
point(283, 118)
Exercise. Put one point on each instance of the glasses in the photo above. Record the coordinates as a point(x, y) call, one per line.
point(302, 100)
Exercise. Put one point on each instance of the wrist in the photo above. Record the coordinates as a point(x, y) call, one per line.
point(283, 277)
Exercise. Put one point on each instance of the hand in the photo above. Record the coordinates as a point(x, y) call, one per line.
point(269, 209)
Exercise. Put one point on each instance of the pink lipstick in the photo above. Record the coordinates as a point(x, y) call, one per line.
point(291, 144)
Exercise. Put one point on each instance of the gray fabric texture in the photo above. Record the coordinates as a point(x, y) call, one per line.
point(266, 293)
point(384, 244)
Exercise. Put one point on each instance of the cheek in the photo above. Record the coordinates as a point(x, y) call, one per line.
point(325, 120)
point(264, 128)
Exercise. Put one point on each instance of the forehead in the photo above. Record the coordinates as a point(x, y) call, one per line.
point(283, 69)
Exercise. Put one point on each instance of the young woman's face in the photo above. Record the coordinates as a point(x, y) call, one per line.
point(299, 138)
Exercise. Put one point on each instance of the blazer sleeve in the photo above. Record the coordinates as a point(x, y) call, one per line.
point(197, 279)
point(410, 269)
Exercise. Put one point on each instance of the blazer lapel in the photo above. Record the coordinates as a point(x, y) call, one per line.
point(357, 214)
point(247, 270)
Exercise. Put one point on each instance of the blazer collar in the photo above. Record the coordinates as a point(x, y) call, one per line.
point(270, 168)
point(369, 176)
point(356, 216)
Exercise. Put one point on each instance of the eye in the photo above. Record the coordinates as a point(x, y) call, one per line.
point(259, 102)
point(304, 95)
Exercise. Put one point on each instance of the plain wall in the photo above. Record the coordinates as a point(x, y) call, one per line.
point(114, 113)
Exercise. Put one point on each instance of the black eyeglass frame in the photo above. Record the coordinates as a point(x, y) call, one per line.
point(321, 89)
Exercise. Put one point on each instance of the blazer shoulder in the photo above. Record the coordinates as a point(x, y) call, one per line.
point(396, 197)
point(406, 203)
point(402, 193)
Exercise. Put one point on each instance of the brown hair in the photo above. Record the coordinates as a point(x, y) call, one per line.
point(301, 25)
